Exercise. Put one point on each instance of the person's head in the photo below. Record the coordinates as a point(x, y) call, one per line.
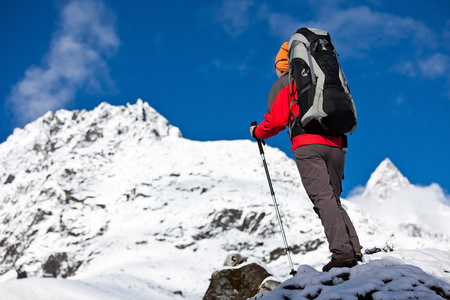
point(281, 62)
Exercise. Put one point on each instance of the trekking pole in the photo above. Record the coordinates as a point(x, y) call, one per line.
point(261, 151)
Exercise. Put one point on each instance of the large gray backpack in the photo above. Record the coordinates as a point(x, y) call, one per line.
point(323, 96)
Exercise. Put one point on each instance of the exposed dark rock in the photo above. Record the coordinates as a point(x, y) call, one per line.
point(226, 218)
point(184, 246)
point(251, 222)
point(69, 172)
point(302, 248)
point(59, 264)
point(202, 235)
point(10, 179)
point(412, 230)
point(40, 216)
point(268, 286)
point(10, 254)
point(21, 273)
point(50, 146)
point(93, 134)
point(236, 283)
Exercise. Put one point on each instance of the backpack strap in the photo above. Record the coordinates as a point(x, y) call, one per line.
point(293, 119)
point(294, 125)
point(311, 66)
point(344, 143)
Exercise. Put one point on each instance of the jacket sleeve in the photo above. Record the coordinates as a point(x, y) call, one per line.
point(277, 118)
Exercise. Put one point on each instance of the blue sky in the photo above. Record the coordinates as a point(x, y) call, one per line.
point(207, 66)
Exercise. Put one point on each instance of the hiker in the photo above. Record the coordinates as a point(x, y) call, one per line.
point(281, 67)
point(320, 160)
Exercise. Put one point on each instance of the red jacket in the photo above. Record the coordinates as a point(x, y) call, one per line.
point(278, 117)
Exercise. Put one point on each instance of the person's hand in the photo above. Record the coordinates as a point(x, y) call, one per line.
point(252, 130)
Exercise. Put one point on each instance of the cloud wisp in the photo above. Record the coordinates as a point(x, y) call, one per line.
point(77, 59)
point(357, 31)
point(234, 15)
point(417, 204)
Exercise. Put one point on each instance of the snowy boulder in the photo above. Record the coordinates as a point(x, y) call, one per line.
point(379, 279)
point(234, 259)
point(239, 283)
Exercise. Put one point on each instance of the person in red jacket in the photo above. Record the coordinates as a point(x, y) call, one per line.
point(320, 160)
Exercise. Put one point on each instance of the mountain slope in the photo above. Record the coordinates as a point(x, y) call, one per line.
point(117, 195)
point(91, 186)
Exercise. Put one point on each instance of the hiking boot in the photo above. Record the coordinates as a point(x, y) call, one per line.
point(359, 257)
point(340, 263)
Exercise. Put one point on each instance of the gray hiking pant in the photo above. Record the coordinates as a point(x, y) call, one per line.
point(321, 169)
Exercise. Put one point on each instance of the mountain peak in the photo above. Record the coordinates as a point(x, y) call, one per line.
point(385, 180)
point(81, 128)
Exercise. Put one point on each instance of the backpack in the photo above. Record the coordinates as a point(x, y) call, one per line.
point(323, 96)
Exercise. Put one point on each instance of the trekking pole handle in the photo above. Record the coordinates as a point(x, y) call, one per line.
point(261, 151)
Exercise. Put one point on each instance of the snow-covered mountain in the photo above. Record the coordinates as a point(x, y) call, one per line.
point(417, 211)
point(118, 201)
point(385, 181)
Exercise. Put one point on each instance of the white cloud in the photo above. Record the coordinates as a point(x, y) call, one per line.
point(86, 37)
point(234, 16)
point(412, 204)
point(358, 32)
point(357, 29)
point(283, 25)
point(435, 66)
point(408, 68)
